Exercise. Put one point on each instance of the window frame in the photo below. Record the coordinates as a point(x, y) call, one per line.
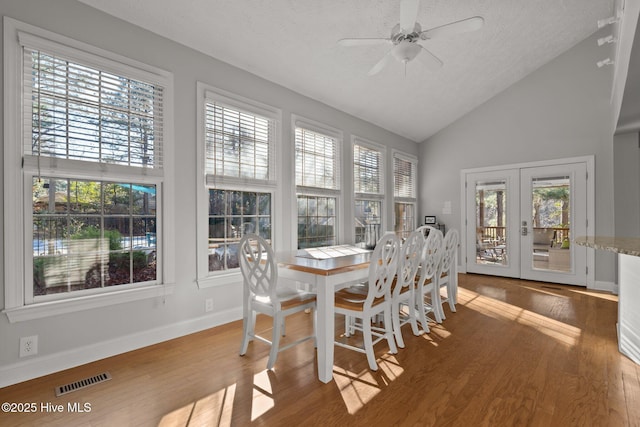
point(19, 170)
point(380, 196)
point(205, 92)
point(413, 200)
point(336, 193)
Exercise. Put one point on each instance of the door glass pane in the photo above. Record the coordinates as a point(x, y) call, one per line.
point(491, 221)
point(550, 222)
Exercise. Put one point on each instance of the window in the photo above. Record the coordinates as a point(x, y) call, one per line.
point(239, 140)
point(369, 191)
point(89, 166)
point(404, 193)
point(232, 214)
point(317, 183)
point(92, 234)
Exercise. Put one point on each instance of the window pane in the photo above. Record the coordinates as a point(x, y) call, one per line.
point(405, 219)
point(316, 221)
point(91, 244)
point(232, 214)
point(403, 178)
point(366, 170)
point(82, 113)
point(316, 159)
point(238, 144)
point(367, 220)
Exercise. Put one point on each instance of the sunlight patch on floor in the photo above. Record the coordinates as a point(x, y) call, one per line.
point(262, 395)
point(357, 389)
point(214, 409)
point(560, 331)
point(390, 367)
point(598, 294)
point(439, 330)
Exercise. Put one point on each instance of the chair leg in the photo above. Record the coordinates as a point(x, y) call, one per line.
point(395, 316)
point(275, 341)
point(413, 316)
point(436, 303)
point(423, 315)
point(389, 331)
point(247, 331)
point(451, 296)
point(368, 344)
point(314, 313)
point(347, 326)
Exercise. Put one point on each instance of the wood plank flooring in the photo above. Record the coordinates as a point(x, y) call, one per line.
point(516, 353)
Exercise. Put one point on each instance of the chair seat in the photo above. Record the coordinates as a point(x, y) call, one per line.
point(352, 301)
point(357, 289)
point(289, 298)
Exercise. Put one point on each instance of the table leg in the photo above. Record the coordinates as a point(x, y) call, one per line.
point(325, 330)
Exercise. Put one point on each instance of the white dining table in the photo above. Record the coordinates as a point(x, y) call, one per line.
point(327, 270)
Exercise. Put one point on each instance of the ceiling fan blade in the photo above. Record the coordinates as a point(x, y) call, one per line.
point(462, 26)
point(362, 41)
point(430, 60)
point(408, 15)
point(380, 64)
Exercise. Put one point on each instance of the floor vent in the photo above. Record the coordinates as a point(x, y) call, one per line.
point(96, 379)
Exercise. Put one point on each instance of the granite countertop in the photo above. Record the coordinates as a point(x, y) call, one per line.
point(619, 245)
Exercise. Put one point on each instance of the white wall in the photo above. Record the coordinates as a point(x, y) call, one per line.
point(626, 166)
point(561, 110)
point(71, 339)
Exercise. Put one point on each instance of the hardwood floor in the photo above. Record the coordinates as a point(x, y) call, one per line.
point(515, 353)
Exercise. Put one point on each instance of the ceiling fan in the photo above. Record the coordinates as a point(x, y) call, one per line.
point(406, 35)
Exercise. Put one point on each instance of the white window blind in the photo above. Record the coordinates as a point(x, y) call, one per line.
point(316, 160)
point(367, 170)
point(239, 145)
point(404, 177)
point(77, 111)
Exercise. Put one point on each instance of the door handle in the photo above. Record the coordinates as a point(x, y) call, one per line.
point(524, 230)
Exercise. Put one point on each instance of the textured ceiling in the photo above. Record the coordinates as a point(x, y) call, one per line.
point(293, 43)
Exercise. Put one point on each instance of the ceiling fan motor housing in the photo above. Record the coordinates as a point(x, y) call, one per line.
point(397, 35)
point(406, 47)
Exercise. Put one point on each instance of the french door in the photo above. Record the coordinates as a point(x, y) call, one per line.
point(520, 222)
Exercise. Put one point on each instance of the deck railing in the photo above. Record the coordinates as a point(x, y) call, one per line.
point(497, 234)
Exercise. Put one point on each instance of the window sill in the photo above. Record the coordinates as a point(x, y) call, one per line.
point(53, 308)
point(223, 279)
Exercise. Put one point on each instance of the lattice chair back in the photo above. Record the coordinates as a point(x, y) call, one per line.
point(258, 267)
point(383, 267)
point(409, 262)
point(449, 252)
point(425, 229)
point(431, 255)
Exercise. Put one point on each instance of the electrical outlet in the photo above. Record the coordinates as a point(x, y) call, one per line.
point(208, 305)
point(28, 346)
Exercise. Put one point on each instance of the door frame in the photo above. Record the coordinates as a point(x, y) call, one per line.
point(590, 214)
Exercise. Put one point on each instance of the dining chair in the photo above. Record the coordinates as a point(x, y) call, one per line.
point(377, 300)
point(448, 274)
point(403, 288)
point(262, 294)
point(427, 286)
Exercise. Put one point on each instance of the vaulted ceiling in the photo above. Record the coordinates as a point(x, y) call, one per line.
point(294, 43)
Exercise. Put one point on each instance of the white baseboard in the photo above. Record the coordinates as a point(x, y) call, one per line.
point(605, 286)
point(628, 343)
point(39, 366)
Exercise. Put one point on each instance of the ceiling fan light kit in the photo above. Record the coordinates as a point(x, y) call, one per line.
point(406, 35)
point(406, 51)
